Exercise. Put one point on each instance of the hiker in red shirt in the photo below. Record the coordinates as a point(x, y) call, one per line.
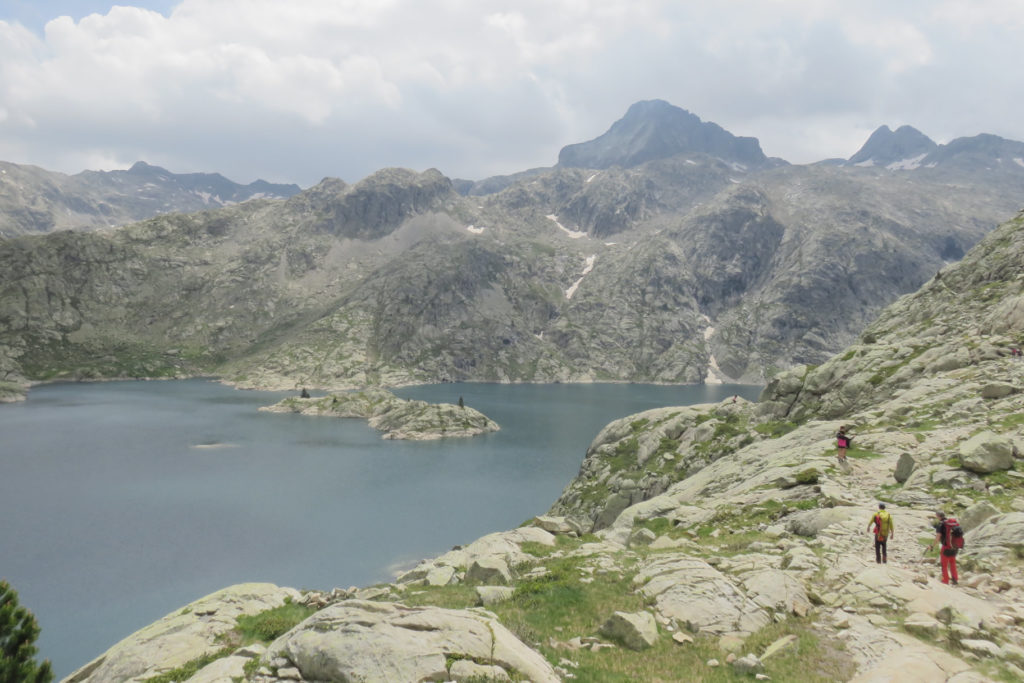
point(947, 553)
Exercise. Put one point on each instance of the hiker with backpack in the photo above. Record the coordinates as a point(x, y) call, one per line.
point(884, 530)
point(950, 537)
point(842, 442)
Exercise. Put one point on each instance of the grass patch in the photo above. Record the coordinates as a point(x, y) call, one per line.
point(562, 542)
point(862, 454)
point(808, 476)
point(189, 668)
point(558, 603)
point(270, 624)
point(458, 596)
point(813, 658)
point(659, 525)
point(773, 429)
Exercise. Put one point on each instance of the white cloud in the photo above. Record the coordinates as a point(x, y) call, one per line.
point(307, 88)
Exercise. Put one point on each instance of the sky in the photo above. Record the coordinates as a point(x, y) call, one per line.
point(298, 90)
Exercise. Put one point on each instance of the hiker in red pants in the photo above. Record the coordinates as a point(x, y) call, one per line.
point(947, 553)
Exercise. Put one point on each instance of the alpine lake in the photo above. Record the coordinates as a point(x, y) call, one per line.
point(123, 501)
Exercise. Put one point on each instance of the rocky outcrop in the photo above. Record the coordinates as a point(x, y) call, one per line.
point(375, 206)
point(637, 631)
point(380, 643)
point(396, 418)
point(181, 636)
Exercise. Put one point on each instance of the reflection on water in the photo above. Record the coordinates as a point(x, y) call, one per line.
point(122, 501)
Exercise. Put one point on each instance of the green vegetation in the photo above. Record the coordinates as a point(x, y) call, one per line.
point(18, 633)
point(885, 373)
point(559, 602)
point(862, 454)
point(188, 669)
point(773, 429)
point(458, 596)
point(808, 476)
point(272, 623)
point(107, 358)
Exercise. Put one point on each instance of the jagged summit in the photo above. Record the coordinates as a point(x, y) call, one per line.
point(907, 149)
point(906, 145)
point(655, 129)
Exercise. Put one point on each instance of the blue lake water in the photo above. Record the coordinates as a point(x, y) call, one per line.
point(123, 501)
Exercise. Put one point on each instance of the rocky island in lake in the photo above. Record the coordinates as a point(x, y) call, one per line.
point(397, 418)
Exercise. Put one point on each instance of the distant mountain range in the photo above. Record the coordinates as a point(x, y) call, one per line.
point(666, 250)
point(907, 148)
point(33, 200)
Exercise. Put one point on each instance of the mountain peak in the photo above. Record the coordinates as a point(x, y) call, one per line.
point(655, 129)
point(886, 147)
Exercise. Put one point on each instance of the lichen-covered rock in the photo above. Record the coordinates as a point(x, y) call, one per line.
point(999, 535)
point(987, 452)
point(778, 591)
point(904, 468)
point(381, 643)
point(973, 516)
point(635, 630)
point(490, 571)
point(810, 522)
point(694, 593)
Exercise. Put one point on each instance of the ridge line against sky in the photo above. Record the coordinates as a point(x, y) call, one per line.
point(299, 90)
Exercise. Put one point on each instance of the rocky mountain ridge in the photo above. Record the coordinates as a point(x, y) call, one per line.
point(399, 279)
point(33, 200)
point(718, 541)
point(908, 149)
point(687, 268)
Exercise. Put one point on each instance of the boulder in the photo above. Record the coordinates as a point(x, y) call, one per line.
point(637, 630)
point(778, 591)
point(441, 576)
point(489, 595)
point(997, 390)
point(810, 522)
point(696, 594)
point(976, 514)
point(987, 452)
point(904, 467)
point(489, 570)
point(997, 535)
point(982, 648)
point(641, 537)
point(748, 664)
point(557, 525)
point(224, 670)
point(386, 642)
point(504, 545)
